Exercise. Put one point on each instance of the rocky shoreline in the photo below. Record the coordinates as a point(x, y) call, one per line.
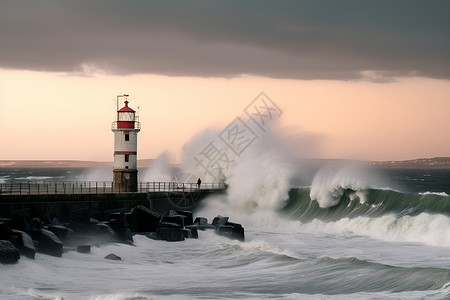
point(50, 236)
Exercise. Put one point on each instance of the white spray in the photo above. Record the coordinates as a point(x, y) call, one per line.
point(331, 181)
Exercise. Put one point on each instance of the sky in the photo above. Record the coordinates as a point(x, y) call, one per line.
point(352, 79)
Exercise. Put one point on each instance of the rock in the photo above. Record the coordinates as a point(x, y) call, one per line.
point(24, 243)
point(132, 222)
point(5, 231)
point(37, 222)
point(8, 253)
point(167, 225)
point(219, 220)
point(112, 256)
point(145, 219)
point(6, 221)
point(188, 214)
point(86, 249)
point(178, 219)
point(202, 223)
point(120, 226)
point(238, 234)
point(170, 234)
point(50, 244)
point(153, 236)
point(193, 231)
point(59, 230)
point(186, 232)
point(232, 231)
point(225, 230)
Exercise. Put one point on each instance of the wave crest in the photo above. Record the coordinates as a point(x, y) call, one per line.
point(330, 183)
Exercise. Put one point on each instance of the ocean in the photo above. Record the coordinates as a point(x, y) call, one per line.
point(368, 234)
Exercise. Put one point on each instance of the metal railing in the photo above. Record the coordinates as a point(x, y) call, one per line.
point(100, 187)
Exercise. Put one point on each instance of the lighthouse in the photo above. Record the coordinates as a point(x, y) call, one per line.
point(125, 128)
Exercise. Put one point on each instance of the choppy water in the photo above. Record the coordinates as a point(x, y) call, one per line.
point(355, 240)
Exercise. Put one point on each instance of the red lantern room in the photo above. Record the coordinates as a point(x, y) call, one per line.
point(125, 117)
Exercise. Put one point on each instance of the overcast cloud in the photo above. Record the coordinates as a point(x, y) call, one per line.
point(344, 40)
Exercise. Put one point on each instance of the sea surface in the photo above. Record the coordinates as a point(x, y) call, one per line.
point(372, 234)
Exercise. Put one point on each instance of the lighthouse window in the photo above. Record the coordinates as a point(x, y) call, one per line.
point(127, 158)
point(127, 137)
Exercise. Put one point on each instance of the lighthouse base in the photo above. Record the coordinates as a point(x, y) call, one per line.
point(125, 181)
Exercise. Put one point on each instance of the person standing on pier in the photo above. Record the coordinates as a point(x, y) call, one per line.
point(199, 181)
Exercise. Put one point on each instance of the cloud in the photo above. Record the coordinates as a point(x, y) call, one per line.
point(344, 40)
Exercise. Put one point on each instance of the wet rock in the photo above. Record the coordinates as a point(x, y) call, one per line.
point(170, 234)
point(112, 256)
point(59, 230)
point(153, 236)
point(120, 227)
point(178, 219)
point(188, 220)
point(228, 229)
point(219, 220)
point(145, 219)
point(8, 253)
point(232, 231)
point(193, 231)
point(132, 221)
point(202, 223)
point(37, 222)
point(186, 232)
point(24, 243)
point(86, 249)
point(167, 225)
point(50, 244)
point(5, 230)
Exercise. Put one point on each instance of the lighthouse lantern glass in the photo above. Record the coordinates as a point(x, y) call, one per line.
point(126, 116)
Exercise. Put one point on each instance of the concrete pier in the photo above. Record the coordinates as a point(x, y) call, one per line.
point(67, 206)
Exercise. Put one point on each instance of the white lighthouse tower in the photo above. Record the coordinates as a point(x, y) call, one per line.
point(125, 128)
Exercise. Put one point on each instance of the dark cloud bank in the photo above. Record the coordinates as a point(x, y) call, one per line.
point(375, 40)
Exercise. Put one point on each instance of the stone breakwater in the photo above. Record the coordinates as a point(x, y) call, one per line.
point(48, 235)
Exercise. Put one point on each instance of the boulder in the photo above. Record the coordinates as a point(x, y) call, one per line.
point(202, 223)
point(178, 219)
point(238, 234)
point(186, 232)
point(232, 231)
point(225, 230)
point(59, 230)
point(167, 225)
point(50, 244)
point(112, 256)
point(188, 216)
point(193, 231)
point(153, 236)
point(5, 231)
point(170, 234)
point(132, 222)
point(120, 227)
point(219, 220)
point(8, 253)
point(24, 243)
point(86, 249)
point(145, 219)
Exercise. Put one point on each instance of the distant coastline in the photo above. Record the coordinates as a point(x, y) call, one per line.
point(64, 163)
point(420, 163)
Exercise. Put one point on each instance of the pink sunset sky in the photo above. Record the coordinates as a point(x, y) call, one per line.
point(354, 79)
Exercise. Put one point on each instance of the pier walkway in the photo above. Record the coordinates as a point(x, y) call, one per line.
point(100, 187)
point(65, 200)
